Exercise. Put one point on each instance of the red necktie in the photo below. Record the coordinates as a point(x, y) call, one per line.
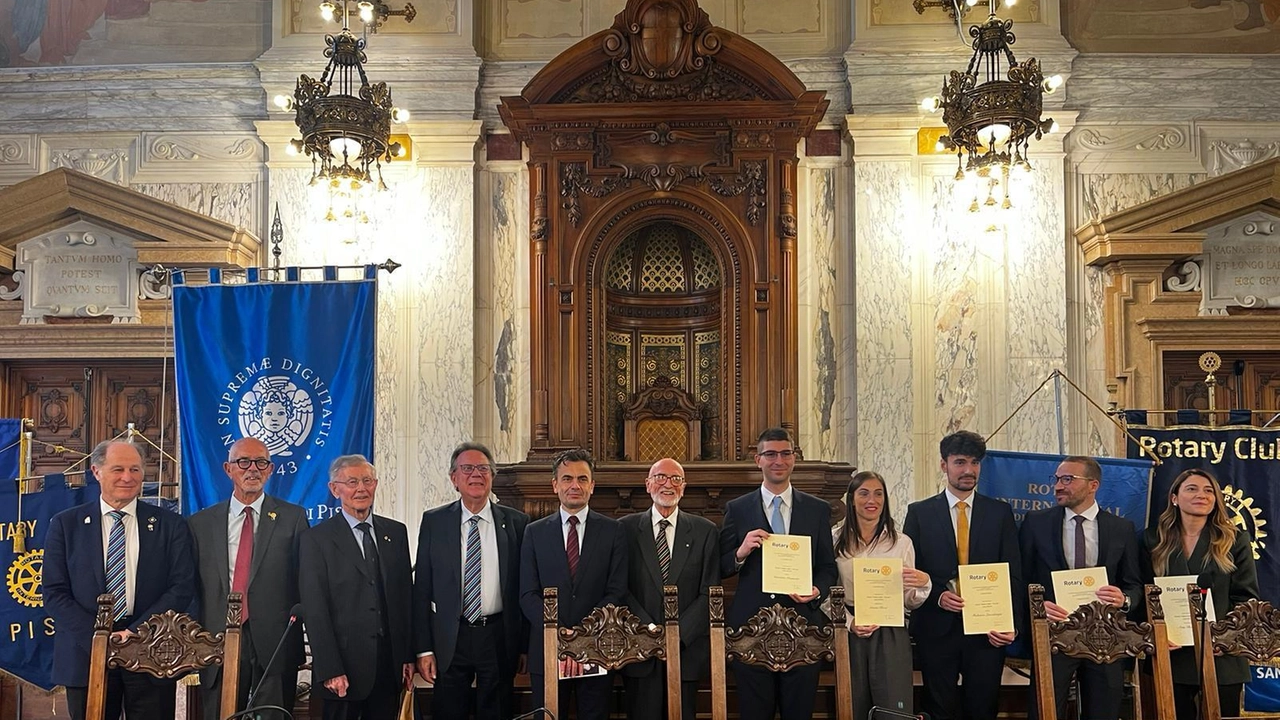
point(244, 559)
point(571, 547)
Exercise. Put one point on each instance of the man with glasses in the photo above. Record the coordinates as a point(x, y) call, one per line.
point(249, 544)
point(357, 587)
point(939, 527)
point(1079, 534)
point(776, 508)
point(670, 547)
point(467, 623)
point(584, 555)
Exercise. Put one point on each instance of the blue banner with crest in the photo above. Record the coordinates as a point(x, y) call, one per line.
point(290, 363)
point(26, 646)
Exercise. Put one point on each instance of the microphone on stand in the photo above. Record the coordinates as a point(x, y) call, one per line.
point(295, 614)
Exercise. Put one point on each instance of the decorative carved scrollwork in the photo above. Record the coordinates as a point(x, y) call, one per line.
point(1251, 630)
point(167, 645)
point(661, 39)
point(670, 603)
point(612, 636)
point(751, 181)
point(715, 605)
point(780, 639)
point(1188, 280)
point(1155, 609)
point(574, 181)
point(662, 399)
point(1100, 633)
point(550, 605)
point(20, 284)
point(712, 83)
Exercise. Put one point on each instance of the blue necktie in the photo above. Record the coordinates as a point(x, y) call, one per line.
point(471, 573)
point(116, 565)
point(776, 525)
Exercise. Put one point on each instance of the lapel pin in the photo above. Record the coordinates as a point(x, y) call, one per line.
point(385, 538)
point(271, 515)
point(151, 524)
point(87, 521)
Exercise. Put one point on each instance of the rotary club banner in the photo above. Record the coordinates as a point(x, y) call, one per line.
point(290, 363)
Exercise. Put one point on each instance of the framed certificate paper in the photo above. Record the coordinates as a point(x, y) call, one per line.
point(787, 565)
point(877, 592)
point(988, 602)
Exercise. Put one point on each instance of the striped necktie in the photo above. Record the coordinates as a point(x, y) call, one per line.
point(664, 550)
point(471, 573)
point(116, 565)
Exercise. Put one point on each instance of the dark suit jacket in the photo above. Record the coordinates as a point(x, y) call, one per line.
point(993, 537)
point(695, 567)
point(341, 603)
point(1043, 554)
point(273, 577)
point(809, 516)
point(437, 582)
point(74, 577)
point(601, 577)
point(1228, 589)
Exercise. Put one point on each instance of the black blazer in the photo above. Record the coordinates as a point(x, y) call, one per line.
point(341, 603)
point(809, 516)
point(601, 578)
point(273, 576)
point(1229, 590)
point(1043, 554)
point(74, 577)
point(993, 537)
point(437, 584)
point(695, 567)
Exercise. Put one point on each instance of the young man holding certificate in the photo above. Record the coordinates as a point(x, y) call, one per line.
point(939, 527)
point(1081, 553)
point(750, 522)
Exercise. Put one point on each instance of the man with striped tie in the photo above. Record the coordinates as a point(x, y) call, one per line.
point(584, 555)
point(467, 623)
point(134, 550)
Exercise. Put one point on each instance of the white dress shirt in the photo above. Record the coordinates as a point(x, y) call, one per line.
point(1090, 536)
point(582, 526)
point(490, 579)
point(353, 521)
point(130, 546)
point(767, 497)
point(656, 517)
point(968, 512)
point(235, 524)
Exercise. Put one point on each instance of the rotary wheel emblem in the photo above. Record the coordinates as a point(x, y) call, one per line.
point(23, 578)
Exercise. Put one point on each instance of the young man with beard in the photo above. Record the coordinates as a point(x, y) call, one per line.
point(1079, 534)
point(953, 528)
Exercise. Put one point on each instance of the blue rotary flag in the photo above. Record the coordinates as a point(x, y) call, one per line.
point(289, 363)
point(1024, 481)
point(26, 647)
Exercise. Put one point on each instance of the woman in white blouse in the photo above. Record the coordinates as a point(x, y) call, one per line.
point(879, 656)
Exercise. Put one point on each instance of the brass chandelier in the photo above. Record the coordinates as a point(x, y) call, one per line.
point(344, 120)
point(991, 119)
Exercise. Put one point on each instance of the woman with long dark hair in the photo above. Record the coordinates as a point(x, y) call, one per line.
point(1194, 536)
point(879, 656)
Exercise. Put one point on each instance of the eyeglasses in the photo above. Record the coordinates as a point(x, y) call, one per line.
point(660, 478)
point(772, 455)
point(354, 483)
point(1067, 479)
point(468, 469)
point(246, 463)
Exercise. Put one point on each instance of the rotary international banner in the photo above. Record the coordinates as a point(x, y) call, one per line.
point(1024, 480)
point(26, 647)
point(289, 363)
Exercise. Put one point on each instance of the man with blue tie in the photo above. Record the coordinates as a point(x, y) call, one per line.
point(776, 508)
point(467, 623)
point(136, 551)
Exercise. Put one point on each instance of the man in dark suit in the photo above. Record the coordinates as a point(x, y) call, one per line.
point(584, 554)
point(776, 507)
point(466, 594)
point(940, 529)
point(357, 586)
point(134, 550)
point(1078, 534)
point(249, 544)
point(670, 547)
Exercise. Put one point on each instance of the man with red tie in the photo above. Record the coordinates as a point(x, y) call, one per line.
point(584, 554)
point(249, 544)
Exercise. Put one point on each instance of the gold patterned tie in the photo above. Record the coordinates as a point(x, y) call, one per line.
point(962, 532)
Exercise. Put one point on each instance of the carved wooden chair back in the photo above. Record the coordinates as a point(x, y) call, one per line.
point(1251, 630)
point(168, 645)
point(662, 421)
point(780, 639)
point(1100, 633)
point(611, 637)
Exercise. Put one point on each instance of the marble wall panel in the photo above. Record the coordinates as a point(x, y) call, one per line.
point(821, 406)
point(954, 295)
point(234, 203)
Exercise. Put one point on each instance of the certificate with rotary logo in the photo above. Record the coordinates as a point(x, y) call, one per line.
point(787, 565)
point(877, 592)
point(1177, 608)
point(988, 601)
point(1073, 588)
